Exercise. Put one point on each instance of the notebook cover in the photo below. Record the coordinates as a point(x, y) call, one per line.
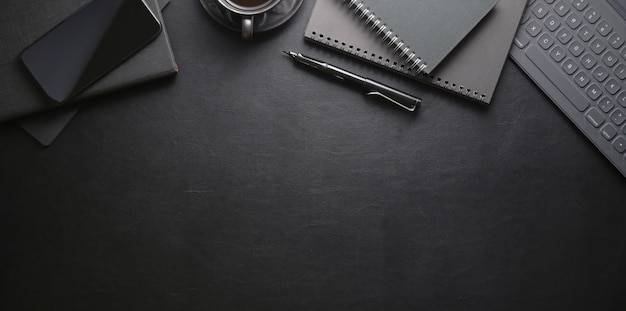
point(471, 70)
point(431, 28)
point(23, 21)
point(46, 126)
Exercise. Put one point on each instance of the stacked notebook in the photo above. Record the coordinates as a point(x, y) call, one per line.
point(460, 46)
point(23, 21)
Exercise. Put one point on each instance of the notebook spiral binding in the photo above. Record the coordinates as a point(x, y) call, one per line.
point(369, 17)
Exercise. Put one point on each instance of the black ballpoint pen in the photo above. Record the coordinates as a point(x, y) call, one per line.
point(372, 87)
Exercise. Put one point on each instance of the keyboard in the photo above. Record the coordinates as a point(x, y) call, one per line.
point(574, 51)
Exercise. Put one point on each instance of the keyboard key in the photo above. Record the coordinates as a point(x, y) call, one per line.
point(621, 99)
point(623, 53)
point(546, 41)
point(582, 79)
point(561, 8)
point(533, 28)
point(609, 58)
point(557, 54)
point(547, 67)
point(521, 40)
point(594, 91)
point(612, 86)
point(549, 1)
point(616, 40)
point(573, 20)
point(598, 46)
point(588, 61)
point(606, 104)
point(600, 73)
point(540, 10)
point(564, 36)
point(620, 71)
point(580, 4)
point(620, 144)
point(576, 48)
point(595, 117)
point(570, 66)
point(604, 28)
point(618, 117)
point(592, 15)
point(585, 33)
point(552, 23)
point(608, 132)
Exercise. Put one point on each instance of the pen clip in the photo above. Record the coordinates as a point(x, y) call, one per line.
point(376, 93)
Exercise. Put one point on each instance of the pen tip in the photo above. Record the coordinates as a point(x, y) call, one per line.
point(289, 53)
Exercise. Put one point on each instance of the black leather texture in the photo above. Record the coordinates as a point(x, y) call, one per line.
point(248, 183)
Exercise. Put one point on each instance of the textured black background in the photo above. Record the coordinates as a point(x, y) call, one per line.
point(248, 183)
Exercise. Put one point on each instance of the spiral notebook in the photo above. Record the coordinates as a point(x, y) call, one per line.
point(472, 66)
point(421, 32)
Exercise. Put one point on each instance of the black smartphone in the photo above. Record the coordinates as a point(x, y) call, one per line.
point(88, 44)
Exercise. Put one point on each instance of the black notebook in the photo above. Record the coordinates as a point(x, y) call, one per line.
point(46, 126)
point(23, 21)
point(472, 66)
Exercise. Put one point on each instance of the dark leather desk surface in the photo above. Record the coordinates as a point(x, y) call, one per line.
point(248, 183)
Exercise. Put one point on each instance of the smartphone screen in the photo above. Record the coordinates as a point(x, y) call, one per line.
point(89, 44)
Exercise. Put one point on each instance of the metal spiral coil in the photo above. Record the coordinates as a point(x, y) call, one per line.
point(380, 28)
